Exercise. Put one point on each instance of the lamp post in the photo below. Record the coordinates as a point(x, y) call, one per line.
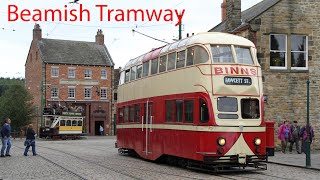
point(307, 148)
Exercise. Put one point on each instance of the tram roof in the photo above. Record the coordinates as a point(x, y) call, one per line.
point(201, 38)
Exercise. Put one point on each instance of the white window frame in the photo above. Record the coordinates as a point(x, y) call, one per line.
point(54, 68)
point(56, 92)
point(106, 89)
point(105, 75)
point(74, 69)
point(74, 92)
point(86, 93)
point(89, 77)
point(286, 56)
point(306, 52)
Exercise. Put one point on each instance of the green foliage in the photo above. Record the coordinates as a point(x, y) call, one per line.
point(5, 83)
point(16, 104)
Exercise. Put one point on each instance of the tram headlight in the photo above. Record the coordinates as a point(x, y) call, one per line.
point(221, 141)
point(257, 141)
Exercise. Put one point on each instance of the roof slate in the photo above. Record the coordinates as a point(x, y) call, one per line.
point(74, 52)
point(249, 14)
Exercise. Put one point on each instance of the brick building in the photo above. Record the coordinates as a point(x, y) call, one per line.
point(287, 36)
point(116, 79)
point(72, 74)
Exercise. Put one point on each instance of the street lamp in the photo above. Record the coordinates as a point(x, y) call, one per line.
point(307, 148)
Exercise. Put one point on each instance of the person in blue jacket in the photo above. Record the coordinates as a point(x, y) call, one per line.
point(6, 138)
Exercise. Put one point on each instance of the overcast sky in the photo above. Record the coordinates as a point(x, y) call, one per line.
point(123, 45)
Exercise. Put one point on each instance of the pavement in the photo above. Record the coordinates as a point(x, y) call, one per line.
point(296, 160)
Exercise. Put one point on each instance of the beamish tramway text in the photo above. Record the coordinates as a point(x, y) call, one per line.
point(84, 14)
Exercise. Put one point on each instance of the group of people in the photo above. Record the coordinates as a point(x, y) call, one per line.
point(6, 139)
point(293, 134)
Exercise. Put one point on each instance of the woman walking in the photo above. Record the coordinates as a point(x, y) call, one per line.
point(30, 141)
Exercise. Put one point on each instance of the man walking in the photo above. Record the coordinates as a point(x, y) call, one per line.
point(295, 130)
point(101, 130)
point(6, 138)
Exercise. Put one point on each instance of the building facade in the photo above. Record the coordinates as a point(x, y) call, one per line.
point(72, 74)
point(287, 36)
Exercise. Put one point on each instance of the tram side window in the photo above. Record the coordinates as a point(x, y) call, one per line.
point(79, 123)
point(243, 55)
point(170, 109)
point(250, 109)
point(188, 111)
point(204, 111)
point(196, 55)
point(133, 73)
point(139, 71)
point(68, 123)
point(62, 123)
point(120, 115)
point(190, 53)
point(137, 111)
point(163, 63)
point(154, 66)
point(127, 75)
point(181, 58)
point(131, 114)
point(121, 80)
point(146, 68)
point(221, 54)
point(171, 61)
point(179, 110)
point(126, 114)
point(74, 123)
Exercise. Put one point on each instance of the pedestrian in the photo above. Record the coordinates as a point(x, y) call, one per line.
point(101, 130)
point(295, 131)
point(284, 134)
point(304, 137)
point(30, 141)
point(6, 138)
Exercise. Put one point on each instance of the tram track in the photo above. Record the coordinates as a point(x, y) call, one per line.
point(58, 165)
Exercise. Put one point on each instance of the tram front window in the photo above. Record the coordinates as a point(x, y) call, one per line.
point(222, 54)
point(250, 108)
point(227, 104)
point(243, 55)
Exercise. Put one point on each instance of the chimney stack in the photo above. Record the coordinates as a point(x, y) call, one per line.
point(37, 33)
point(223, 10)
point(233, 14)
point(100, 37)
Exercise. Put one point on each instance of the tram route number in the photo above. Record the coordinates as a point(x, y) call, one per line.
point(237, 81)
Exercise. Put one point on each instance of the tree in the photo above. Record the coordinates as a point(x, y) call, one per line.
point(16, 104)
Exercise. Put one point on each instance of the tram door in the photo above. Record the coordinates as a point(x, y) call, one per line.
point(147, 129)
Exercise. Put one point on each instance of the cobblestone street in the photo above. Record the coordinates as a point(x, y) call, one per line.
point(96, 158)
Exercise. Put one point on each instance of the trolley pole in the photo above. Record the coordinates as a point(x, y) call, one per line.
point(180, 30)
point(308, 159)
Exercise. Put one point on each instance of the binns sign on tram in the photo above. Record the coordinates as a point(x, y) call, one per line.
point(229, 70)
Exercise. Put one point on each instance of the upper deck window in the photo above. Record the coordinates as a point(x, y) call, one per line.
point(133, 73)
point(146, 68)
point(244, 55)
point(127, 75)
point(154, 66)
point(196, 55)
point(181, 58)
point(121, 80)
point(163, 63)
point(221, 54)
point(171, 61)
point(139, 71)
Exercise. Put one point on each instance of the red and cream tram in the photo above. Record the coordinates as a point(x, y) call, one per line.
point(197, 102)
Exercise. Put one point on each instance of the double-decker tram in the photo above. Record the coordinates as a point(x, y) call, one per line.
point(197, 102)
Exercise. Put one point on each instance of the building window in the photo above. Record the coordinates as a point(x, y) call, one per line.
point(88, 73)
point(71, 92)
point(299, 52)
point(71, 72)
point(54, 92)
point(103, 93)
point(87, 93)
point(54, 72)
point(115, 96)
point(278, 51)
point(103, 74)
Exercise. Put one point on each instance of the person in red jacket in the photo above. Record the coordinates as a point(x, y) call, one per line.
point(284, 134)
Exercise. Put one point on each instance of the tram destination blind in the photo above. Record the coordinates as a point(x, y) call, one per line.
point(237, 81)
